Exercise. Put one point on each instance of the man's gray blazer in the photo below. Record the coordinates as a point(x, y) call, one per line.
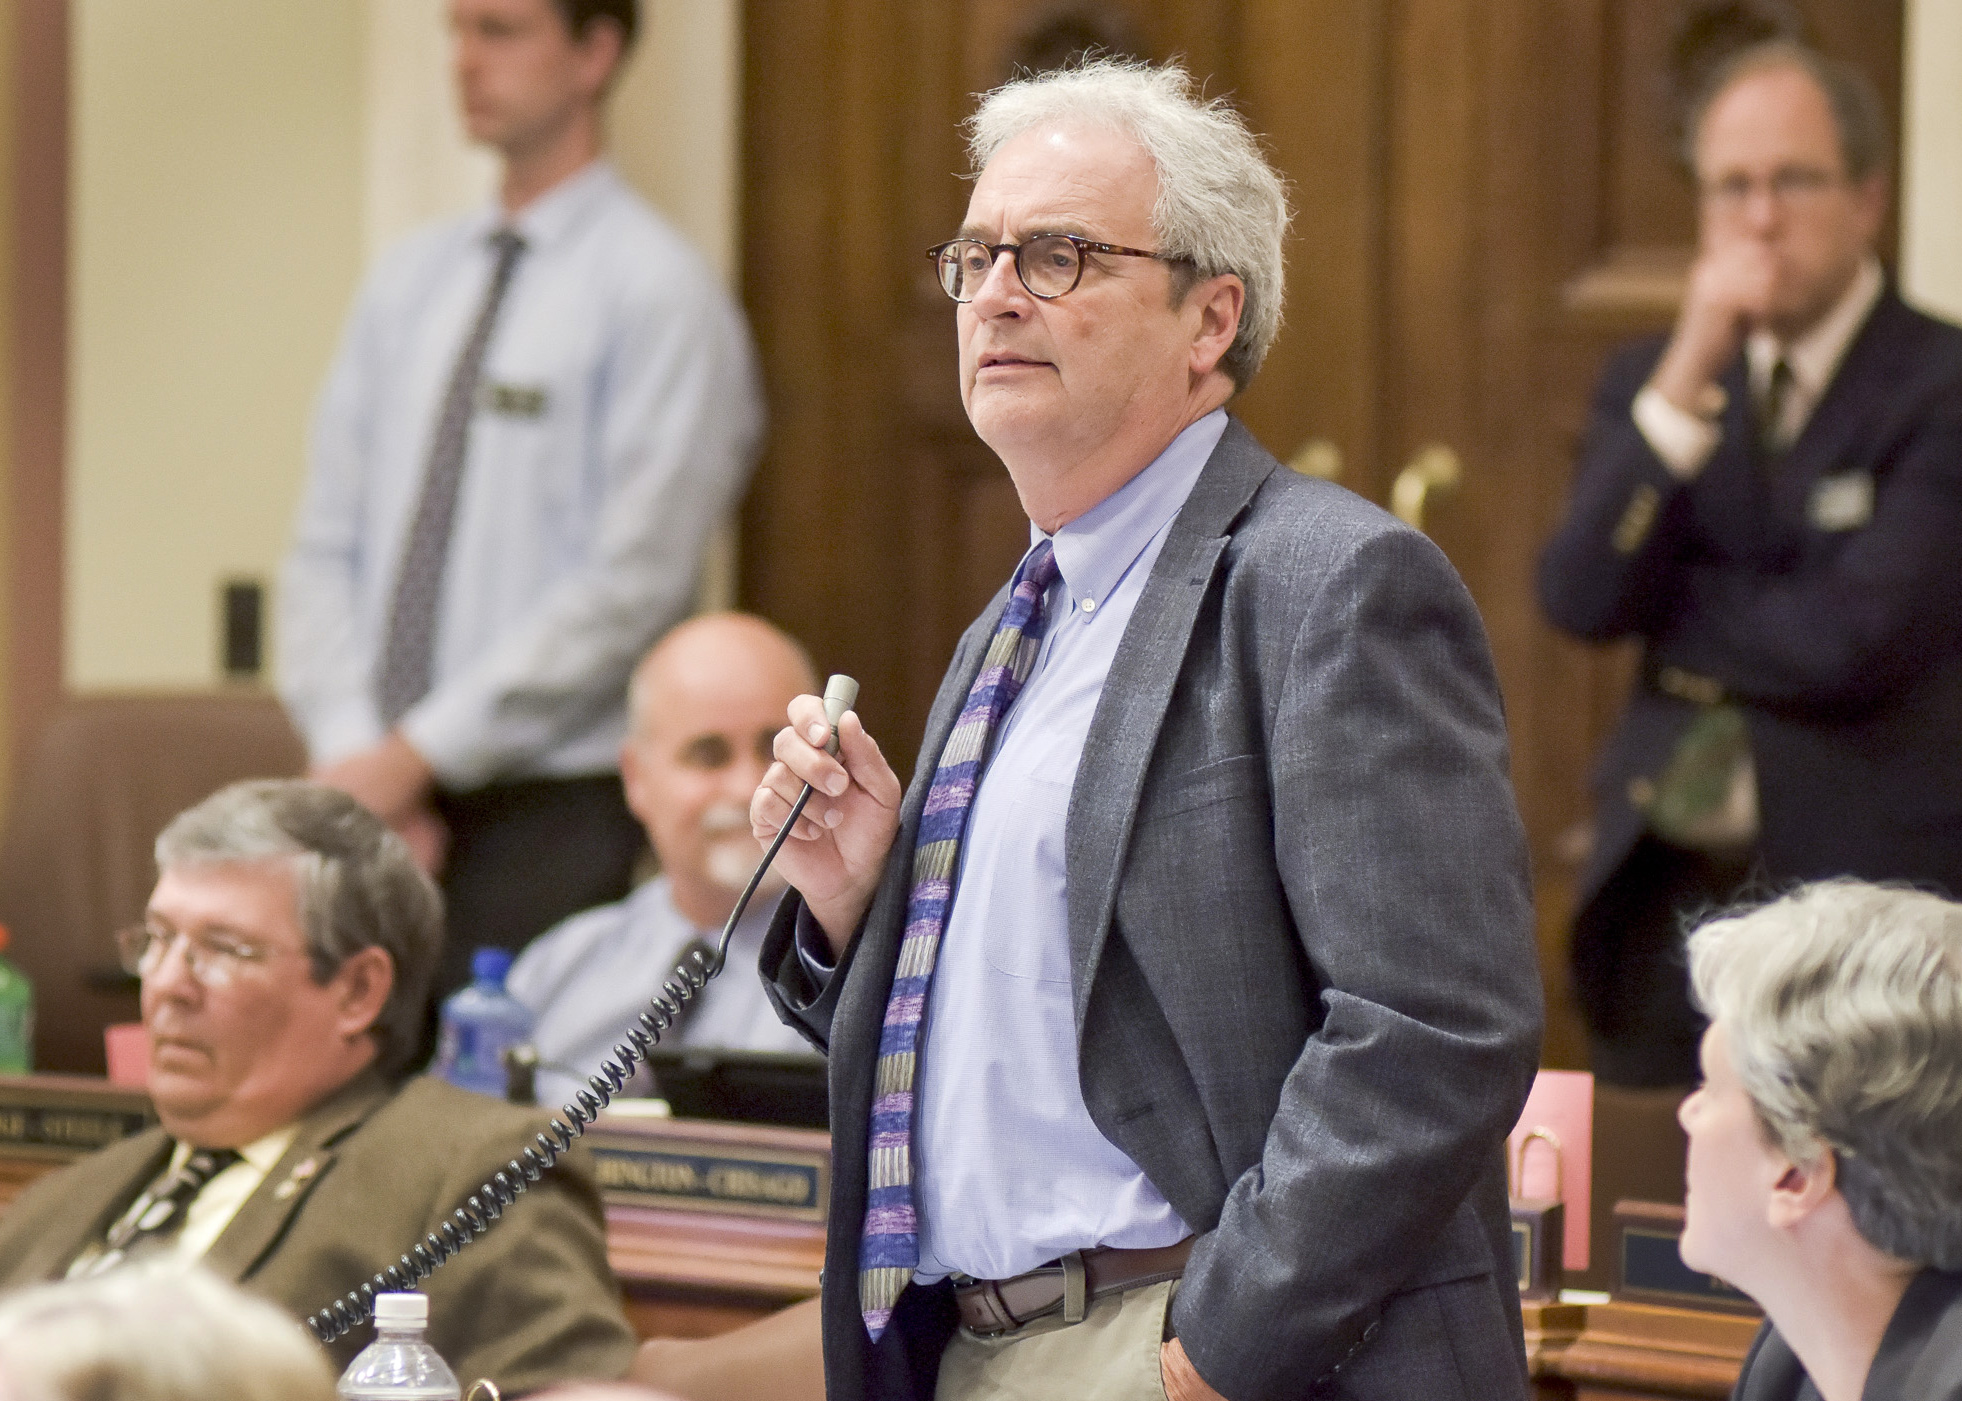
point(1307, 999)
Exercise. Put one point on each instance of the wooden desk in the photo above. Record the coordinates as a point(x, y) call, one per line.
point(701, 1268)
point(1633, 1352)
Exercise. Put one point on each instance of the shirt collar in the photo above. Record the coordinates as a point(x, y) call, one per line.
point(556, 212)
point(1094, 551)
point(261, 1153)
point(1814, 357)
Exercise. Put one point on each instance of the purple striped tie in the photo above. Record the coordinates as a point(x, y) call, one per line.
point(889, 1248)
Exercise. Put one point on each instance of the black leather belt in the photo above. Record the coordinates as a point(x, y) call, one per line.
point(994, 1306)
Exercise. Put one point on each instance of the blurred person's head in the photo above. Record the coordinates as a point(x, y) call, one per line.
point(527, 70)
point(154, 1335)
point(287, 947)
point(1829, 1124)
point(704, 710)
point(1790, 151)
point(1079, 364)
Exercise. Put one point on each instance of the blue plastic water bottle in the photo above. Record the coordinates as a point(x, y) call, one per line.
point(479, 1022)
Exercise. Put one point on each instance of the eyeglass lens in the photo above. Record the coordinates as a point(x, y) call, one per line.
point(1048, 266)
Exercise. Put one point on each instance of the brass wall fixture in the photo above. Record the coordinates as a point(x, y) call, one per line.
point(1434, 471)
point(1318, 457)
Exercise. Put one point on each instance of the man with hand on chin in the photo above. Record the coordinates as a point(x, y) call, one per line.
point(1768, 499)
point(705, 706)
point(1177, 1012)
point(284, 957)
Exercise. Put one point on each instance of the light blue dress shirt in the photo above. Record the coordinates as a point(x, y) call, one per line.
point(1011, 1172)
point(588, 979)
point(618, 421)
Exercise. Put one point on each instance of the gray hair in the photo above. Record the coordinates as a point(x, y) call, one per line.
point(1220, 204)
point(359, 885)
point(155, 1334)
point(1865, 147)
point(1841, 1006)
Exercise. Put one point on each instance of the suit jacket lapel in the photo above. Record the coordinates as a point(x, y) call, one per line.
point(1840, 418)
point(262, 1219)
point(117, 1175)
point(1124, 730)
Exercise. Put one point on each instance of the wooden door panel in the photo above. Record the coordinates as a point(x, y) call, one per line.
point(1488, 199)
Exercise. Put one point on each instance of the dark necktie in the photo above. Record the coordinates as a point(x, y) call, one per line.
point(889, 1244)
point(159, 1213)
point(1771, 410)
point(408, 653)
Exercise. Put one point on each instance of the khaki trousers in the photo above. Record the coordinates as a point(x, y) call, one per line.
point(1112, 1355)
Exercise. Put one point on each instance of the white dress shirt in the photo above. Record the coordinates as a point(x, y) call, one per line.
point(1684, 441)
point(618, 420)
point(589, 979)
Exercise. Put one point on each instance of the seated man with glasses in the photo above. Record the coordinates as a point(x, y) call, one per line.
point(1768, 500)
point(285, 957)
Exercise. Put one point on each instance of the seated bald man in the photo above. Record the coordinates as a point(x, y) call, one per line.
point(704, 708)
point(285, 956)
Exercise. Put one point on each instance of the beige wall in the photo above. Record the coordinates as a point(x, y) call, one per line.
point(215, 240)
point(235, 162)
point(1931, 190)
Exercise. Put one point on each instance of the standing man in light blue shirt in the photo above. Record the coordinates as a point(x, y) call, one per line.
point(538, 414)
point(1177, 1012)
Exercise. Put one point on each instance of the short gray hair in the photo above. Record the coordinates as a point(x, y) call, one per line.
point(359, 885)
point(1841, 1006)
point(1865, 147)
point(1220, 204)
point(155, 1334)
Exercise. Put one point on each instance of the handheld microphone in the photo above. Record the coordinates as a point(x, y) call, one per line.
point(664, 1013)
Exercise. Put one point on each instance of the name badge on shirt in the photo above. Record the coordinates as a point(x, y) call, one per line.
point(1844, 502)
point(517, 400)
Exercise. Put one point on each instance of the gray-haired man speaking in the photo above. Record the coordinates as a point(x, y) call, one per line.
point(1177, 1011)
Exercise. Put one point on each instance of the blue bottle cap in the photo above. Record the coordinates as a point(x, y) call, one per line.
point(490, 965)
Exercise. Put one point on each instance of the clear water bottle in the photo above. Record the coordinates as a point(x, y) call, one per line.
point(479, 1023)
point(16, 1017)
point(398, 1365)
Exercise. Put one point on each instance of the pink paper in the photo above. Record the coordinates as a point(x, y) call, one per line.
point(1561, 1106)
point(127, 1046)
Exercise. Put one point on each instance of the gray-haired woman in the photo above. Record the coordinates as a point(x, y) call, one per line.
point(1825, 1156)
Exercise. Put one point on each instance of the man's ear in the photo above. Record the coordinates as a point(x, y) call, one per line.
point(364, 981)
point(1220, 302)
point(602, 51)
point(1801, 1190)
point(1871, 195)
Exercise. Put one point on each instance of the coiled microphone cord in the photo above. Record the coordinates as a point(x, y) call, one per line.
point(487, 1204)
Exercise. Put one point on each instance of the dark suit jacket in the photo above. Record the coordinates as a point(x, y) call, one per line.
point(1841, 643)
point(1920, 1356)
point(370, 1172)
point(1306, 996)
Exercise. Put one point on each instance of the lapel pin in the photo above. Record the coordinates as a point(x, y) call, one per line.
point(302, 1173)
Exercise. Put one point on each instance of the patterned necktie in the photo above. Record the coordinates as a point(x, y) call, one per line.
point(408, 654)
point(889, 1246)
point(1771, 410)
point(159, 1212)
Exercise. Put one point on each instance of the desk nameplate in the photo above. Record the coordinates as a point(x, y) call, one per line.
point(57, 1118)
point(774, 1173)
point(1650, 1270)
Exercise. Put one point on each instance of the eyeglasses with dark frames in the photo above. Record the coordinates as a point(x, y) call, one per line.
point(1049, 264)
